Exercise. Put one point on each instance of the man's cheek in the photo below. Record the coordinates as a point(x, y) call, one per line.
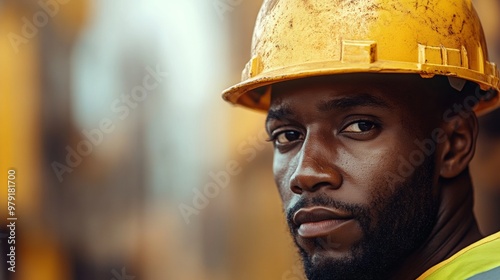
point(283, 169)
point(284, 190)
point(391, 170)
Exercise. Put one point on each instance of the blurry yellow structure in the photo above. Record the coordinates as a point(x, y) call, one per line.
point(20, 126)
point(485, 164)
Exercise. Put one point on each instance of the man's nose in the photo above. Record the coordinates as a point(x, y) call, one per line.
point(315, 169)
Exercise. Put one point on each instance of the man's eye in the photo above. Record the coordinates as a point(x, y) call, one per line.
point(359, 127)
point(286, 137)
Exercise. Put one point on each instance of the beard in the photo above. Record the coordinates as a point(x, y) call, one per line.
point(404, 219)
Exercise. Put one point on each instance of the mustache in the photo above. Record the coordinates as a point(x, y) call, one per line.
point(356, 210)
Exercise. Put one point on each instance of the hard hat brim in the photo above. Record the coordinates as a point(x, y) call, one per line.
point(249, 92)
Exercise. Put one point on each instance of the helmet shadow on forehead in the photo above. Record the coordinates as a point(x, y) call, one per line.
point(429, 94)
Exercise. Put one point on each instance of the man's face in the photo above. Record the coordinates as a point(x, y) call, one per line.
point(341, 150)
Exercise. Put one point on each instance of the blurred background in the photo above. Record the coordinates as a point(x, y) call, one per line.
point(128, 163)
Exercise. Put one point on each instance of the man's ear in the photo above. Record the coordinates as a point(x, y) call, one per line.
point(458, 149)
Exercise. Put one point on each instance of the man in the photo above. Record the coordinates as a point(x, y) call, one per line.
point(372, 111)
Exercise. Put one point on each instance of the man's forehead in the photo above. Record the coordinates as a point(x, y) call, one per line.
point(327, 96)
point(324, 103)
point(284, 106)
point(344, 92)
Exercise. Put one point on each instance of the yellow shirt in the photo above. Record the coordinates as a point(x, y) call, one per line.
point(480, 260)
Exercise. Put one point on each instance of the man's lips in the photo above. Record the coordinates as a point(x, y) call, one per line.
point(319, 221)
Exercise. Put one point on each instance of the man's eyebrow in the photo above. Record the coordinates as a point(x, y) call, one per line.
point(278, 113)
point(335, 104)
point(361, 100)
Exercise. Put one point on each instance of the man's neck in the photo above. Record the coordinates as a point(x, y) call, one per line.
point(455, 229)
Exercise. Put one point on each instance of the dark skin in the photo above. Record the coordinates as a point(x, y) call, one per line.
point(336, 140)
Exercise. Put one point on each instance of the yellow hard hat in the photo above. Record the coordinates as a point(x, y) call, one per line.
point(303, 38)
